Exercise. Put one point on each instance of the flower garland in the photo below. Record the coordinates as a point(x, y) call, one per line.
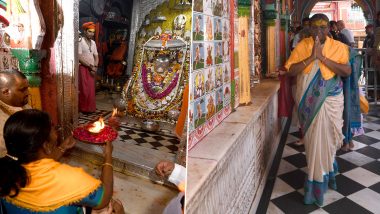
point(149, 90)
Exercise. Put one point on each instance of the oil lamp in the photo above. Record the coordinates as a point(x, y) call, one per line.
point(97, 126)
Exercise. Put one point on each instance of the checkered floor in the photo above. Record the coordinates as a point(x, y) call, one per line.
point(87, 118)
point(133, 134)
point(358, 179)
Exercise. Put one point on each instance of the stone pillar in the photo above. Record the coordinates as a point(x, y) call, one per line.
point(244, 73)
point(66, 62)
point(285, 23)
point(270, 16)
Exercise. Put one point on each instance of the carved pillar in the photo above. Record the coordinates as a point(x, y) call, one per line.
point(285, 23)
point(244, 74)
point(66, 64)
point(270, 16)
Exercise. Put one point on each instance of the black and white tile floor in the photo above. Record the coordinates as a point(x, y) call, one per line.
point(358, 179)
point(133, 134)
point(92, 117)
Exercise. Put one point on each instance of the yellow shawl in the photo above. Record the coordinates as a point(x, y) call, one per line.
point(332, 49)
point(53, 185)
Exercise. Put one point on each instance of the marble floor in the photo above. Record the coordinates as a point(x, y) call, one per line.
point(130, 131)
point(358, 179)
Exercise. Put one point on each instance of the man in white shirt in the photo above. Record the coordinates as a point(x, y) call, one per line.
point(346, 32)
point(304, 33)
point(88, 59)
point(177, 175)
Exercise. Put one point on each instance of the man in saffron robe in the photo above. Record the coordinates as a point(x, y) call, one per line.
point(319, 63)
point(88, 59)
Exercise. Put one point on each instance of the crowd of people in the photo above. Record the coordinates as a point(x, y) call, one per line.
point(327, 98)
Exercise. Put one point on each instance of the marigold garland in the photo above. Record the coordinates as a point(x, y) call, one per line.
point(149, 90)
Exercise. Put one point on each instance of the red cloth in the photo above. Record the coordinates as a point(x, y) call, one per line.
point(119, 53)
point(115, 69)
point(86, 85)
point(285, 97)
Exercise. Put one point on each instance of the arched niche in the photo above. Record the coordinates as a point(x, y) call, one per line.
point(366, 5)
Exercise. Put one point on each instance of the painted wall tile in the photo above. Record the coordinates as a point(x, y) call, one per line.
point(209, 54)
point(199, 84)
point(199, 112)
point(198, 56)
point(198, 26)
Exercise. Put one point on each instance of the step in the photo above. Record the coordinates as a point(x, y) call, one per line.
point(127, 158)
point(137, 194)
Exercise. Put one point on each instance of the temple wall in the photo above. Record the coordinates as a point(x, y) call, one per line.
point(228, 168)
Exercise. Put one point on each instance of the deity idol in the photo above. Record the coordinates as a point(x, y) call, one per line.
point(210, 107)
point(209, 28)
point(209, 56)
point(161, 66)
point(197, 56)
point(209, 81)
point(199, 86)
point(198, 25)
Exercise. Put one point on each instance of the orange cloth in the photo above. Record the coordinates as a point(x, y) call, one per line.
point(89, 25)
point(364, 106)
point(182, 117)
point(119, 53)
point(332, 49)
point(52, 185)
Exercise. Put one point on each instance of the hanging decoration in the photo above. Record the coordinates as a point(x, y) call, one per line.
point(258, 40)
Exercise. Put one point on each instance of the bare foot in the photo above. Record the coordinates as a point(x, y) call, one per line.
point(345, 147)
point(351, 145)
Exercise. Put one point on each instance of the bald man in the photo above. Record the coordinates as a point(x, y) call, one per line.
point(346, 32)
point(14, 96)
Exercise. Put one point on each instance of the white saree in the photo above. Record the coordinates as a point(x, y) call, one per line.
point(323, 138)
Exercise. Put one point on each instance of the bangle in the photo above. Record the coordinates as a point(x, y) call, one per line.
point(61, 149)
point(107, 164)
point(303, 61)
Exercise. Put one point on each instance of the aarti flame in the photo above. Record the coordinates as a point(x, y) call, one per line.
point(97, 126)
point(114, 112)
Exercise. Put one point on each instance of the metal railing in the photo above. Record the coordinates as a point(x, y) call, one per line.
point(368, 67)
